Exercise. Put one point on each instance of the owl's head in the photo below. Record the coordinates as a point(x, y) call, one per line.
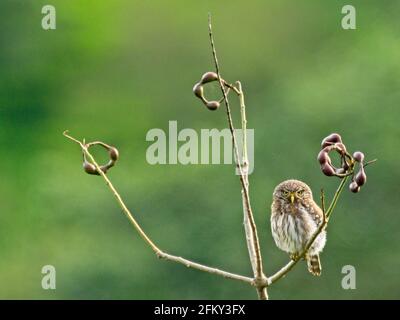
point(292, 191)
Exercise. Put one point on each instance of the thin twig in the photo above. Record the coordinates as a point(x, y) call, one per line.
point(336, 197)
point(148, 241)
point(254, 248)
point(370, 162)
point(323, 202)
point(244, 127)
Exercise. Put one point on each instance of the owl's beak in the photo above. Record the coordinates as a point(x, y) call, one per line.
point(292, 196)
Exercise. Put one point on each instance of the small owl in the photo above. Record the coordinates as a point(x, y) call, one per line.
point(294, 218)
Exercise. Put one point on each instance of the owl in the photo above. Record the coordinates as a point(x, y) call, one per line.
point(294, 219)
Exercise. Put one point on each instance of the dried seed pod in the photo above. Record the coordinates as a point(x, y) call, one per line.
point(340, 171)
point(327, 170)
point(340, 147)
point(328, 149)
point(323, 157)
point(198, 91)
point(114, 154)
point(354, 187)
point(358, 156)
point(361, 177)
point(209, 77)
point(212, 105)
point(345, 165)
point(331, 139)
point(90, 168)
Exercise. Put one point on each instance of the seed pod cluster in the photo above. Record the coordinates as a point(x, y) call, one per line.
point(330, 143)
point(360, 178)
point(113, 153)
point(334, 142)
point(198, 90)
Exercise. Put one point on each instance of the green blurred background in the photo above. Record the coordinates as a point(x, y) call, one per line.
point(113, 70)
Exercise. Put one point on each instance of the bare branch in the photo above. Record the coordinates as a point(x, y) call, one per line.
point(250, 226)
point(191, 264)
point(148, 241)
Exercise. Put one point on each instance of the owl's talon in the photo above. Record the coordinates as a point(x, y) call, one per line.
point(294, 256)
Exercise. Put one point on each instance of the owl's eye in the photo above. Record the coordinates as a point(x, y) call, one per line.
point(300, 193)
point(285, 193)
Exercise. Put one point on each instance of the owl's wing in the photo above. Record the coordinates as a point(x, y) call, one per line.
point(317, 214)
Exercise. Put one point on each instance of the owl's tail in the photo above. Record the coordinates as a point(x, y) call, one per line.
point(314, 265)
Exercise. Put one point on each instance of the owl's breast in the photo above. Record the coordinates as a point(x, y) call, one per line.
point(291, 228)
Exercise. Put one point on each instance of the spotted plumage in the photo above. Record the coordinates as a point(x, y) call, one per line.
point(294, 219)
